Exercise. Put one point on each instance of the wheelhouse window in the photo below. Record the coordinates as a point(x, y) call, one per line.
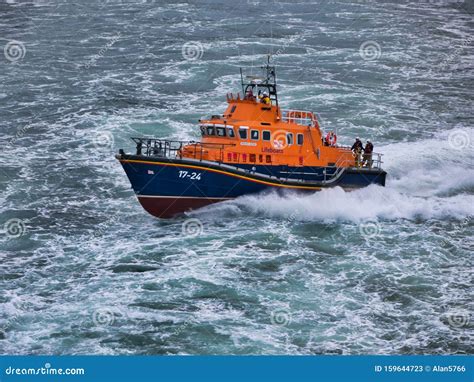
point(266, 135)
point(210, 130)
point(254, 135)
point(230, 132)
point(299, 139)
point(203, 130)
point(243, 132)
point(220, 131)
point(289, 138)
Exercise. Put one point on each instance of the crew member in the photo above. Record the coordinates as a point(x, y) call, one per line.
point(369, 148)
point(249, 94)
point(265, 98)
point(357, 149)
point(326, 140)
point(330, 139)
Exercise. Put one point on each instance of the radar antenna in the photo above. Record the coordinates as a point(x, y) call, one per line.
point(254, 85)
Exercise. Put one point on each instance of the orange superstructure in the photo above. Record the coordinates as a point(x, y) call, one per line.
point(254, 132)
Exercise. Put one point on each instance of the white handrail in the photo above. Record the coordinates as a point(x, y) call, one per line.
point(306, 117)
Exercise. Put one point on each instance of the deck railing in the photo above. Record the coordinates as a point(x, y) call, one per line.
point(164, 148)
point(374, 162)
point(300, 117)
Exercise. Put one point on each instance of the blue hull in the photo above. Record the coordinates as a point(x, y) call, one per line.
point(166, 187)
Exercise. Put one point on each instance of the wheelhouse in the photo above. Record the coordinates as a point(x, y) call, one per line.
point(253, 131)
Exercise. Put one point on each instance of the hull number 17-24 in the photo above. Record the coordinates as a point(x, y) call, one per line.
point(189, 175)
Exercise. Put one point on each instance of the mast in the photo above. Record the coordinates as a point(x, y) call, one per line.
point(267, 81)
point(270, 80)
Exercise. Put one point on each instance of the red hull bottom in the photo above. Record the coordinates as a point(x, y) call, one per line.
point(167, 207)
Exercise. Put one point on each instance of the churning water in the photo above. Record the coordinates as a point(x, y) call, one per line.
point(379, 270)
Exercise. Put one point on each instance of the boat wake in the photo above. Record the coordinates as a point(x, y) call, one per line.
point(428, 179)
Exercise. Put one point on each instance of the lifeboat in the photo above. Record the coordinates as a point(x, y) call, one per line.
point(253, 146)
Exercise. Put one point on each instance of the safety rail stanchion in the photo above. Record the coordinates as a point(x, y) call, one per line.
point(174, 149)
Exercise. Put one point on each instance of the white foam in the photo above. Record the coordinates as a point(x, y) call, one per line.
point(432, 166)
point(369, 203)
point(427, 179)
